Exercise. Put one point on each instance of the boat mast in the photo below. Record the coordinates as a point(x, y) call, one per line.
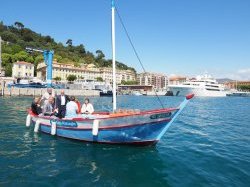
point(113, 54)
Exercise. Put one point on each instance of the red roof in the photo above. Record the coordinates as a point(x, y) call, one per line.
point(22, 62)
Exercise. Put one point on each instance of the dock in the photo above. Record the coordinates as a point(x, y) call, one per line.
point(40, 91)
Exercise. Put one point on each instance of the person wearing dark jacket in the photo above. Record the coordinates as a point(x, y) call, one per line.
point(35, 106)
point(61, 101)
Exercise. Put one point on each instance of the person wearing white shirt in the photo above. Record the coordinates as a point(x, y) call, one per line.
point(87, 107)
point(49, 93)
point(71, 108)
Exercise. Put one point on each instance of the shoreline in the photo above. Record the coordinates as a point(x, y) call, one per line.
point(40, 91)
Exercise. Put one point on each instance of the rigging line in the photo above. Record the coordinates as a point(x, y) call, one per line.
point(137, 56)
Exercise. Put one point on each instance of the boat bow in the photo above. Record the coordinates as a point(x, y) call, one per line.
point(180, 108)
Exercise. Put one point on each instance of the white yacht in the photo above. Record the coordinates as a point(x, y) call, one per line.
point(204, 86)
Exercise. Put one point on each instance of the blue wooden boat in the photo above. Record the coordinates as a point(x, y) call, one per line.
point(124, 127)
point(118, 127)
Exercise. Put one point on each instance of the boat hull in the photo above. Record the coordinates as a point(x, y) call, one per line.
point(200, 92)
point(239, 94)
point(115, 130)
point(145, 134)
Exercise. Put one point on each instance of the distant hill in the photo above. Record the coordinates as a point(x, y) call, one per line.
point(17, 38)
point(224, 80)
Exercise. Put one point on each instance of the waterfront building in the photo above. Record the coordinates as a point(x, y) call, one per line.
point(158, 80)
point(85, 71)
point(176, 80)
point(22, 69)
point(234, 84)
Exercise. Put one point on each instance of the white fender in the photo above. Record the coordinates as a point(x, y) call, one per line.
point(37, 125)
point(28, 120)
point(53, 128)
point(95, 127)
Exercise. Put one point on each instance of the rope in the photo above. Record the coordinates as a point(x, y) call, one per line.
point(135, 51)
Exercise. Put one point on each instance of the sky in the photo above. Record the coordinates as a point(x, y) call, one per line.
point(175, 37)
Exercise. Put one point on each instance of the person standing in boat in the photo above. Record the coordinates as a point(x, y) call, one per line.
point(49, 107)
point(87, 107)
point(61, 102)
point(49, 92)
point(35, 106)
point(71, 108)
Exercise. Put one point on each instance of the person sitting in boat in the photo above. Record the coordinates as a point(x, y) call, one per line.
point(35, 106)
point(49, 92)
point(87, 107)
point(49, 107)
point(71, 108)
point(61, 102)
point(78, 105)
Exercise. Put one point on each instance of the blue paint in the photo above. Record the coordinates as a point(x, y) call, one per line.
point(112, 3)
point(48, 59)
point(145, 132)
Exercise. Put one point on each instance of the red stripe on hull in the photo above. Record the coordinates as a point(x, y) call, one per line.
point(112, 117)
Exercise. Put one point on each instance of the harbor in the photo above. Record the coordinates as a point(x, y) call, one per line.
point(116, 93)
point(211, 147)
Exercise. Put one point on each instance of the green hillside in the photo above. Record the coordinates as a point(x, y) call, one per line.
point(17, 37)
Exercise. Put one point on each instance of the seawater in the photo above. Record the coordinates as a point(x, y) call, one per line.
point(208, 145)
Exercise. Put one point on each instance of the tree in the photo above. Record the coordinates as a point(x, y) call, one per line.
point(21, 56)
point(2, 26)
point(69, 42)
point(6, 59)
point(57, 78)
point(8, 70)
point(80, 49)
point(48, 39)
point(9, 37)
point(244, 87)
point(100, 54)
point(71, 78)
point(57, 58)
point(19, 25)
point(27, 35)
point(89, 58)
point(123, 82)
point(99, 79)
point(39, 59)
